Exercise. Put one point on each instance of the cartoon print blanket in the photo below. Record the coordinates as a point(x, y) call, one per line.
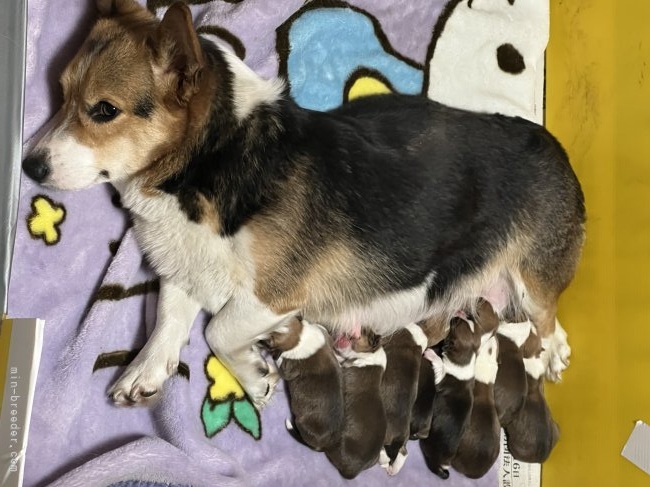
point(77, 265)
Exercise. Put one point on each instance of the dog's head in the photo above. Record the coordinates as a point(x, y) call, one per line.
point(463, 342)
point(128, 94)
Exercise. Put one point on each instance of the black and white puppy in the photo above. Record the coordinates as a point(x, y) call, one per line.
point(479, 445)
point(364, 427)
point(308, 365)
point(533, 433)
point(399, 388)
point(431, 374)
point(452, 404)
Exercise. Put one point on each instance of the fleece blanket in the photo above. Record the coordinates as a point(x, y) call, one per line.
point(76, 263)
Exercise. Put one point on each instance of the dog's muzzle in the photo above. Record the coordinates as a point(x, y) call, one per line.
point(37, 166)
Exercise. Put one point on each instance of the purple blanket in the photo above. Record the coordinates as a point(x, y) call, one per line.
point(77, 265)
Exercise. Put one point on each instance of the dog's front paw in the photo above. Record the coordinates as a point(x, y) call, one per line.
point(556, 353)
point(141, 383)
point(262, 387)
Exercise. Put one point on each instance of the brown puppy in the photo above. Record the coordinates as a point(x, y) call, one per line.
point(308, 365)
point(364, 427)
point(510, 387)
point(431, 373)
point(533, 433)
point(454, 398)
point(399, 388)
point(479, 446)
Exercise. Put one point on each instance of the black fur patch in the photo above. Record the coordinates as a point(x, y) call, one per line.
point(144, 107)
point(417, 185)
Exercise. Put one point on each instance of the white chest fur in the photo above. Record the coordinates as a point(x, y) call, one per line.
point(192, 255)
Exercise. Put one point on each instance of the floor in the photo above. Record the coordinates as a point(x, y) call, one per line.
point(598, 105)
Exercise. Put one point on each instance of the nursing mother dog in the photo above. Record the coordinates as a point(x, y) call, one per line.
point(384, 212)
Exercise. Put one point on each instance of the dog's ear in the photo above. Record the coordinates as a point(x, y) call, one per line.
point(178, 52)
point(113, 8)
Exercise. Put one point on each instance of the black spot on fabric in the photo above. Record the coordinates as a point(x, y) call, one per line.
point(122, 358)
point(510, 59)
point(144, 107)
point(117, 292)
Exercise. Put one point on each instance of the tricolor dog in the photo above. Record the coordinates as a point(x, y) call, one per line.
point(386, 211)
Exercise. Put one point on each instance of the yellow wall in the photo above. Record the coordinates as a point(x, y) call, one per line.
point(598, 105)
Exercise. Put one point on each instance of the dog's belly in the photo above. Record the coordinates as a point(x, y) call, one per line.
point(383, 315)
point(386, 314)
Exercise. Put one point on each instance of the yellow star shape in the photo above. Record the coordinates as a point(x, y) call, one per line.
point(224, 386)
point(44, 220)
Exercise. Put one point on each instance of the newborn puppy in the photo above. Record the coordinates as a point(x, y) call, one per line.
point(454, 397)
point(430, 375)
point(399, 387)
point(479, 445)
point(308, 365)
point(364, 426)
point(510, 387)
point(485, 319)
point(533, 433)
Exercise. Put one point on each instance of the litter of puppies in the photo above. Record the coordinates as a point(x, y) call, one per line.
point(359, 399)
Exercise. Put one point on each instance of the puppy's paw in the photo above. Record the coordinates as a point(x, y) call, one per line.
point(556, 353)
point(398, 463)
point(384, 459)
point(141, 383)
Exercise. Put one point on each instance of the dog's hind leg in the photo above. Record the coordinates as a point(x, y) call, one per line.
point(545, 277)
point(233, 333)
point(144, 377)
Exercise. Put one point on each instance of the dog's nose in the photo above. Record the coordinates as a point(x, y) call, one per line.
point(36, 166)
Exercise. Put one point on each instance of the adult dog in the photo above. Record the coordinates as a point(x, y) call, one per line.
point(386, 211)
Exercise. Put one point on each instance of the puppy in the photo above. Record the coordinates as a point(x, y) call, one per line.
point(307, 363)
point(399, 388)
point(486, 320)
point(364, 425)
point(511, 387)
point(430, 375)
point(452, 405)
point(257, 210)
point(533, 433)
point(479, 445)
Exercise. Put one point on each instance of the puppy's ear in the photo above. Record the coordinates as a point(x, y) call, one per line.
point(178, 52)
point(113, 8)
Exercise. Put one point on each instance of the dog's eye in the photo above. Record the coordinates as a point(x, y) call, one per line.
point(103, 112)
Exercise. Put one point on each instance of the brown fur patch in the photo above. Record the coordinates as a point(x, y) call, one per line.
point(532, 347)
point(436, 329)
point(486, 318)
point(462, 344)
point(294, 269)
point(286, 340)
